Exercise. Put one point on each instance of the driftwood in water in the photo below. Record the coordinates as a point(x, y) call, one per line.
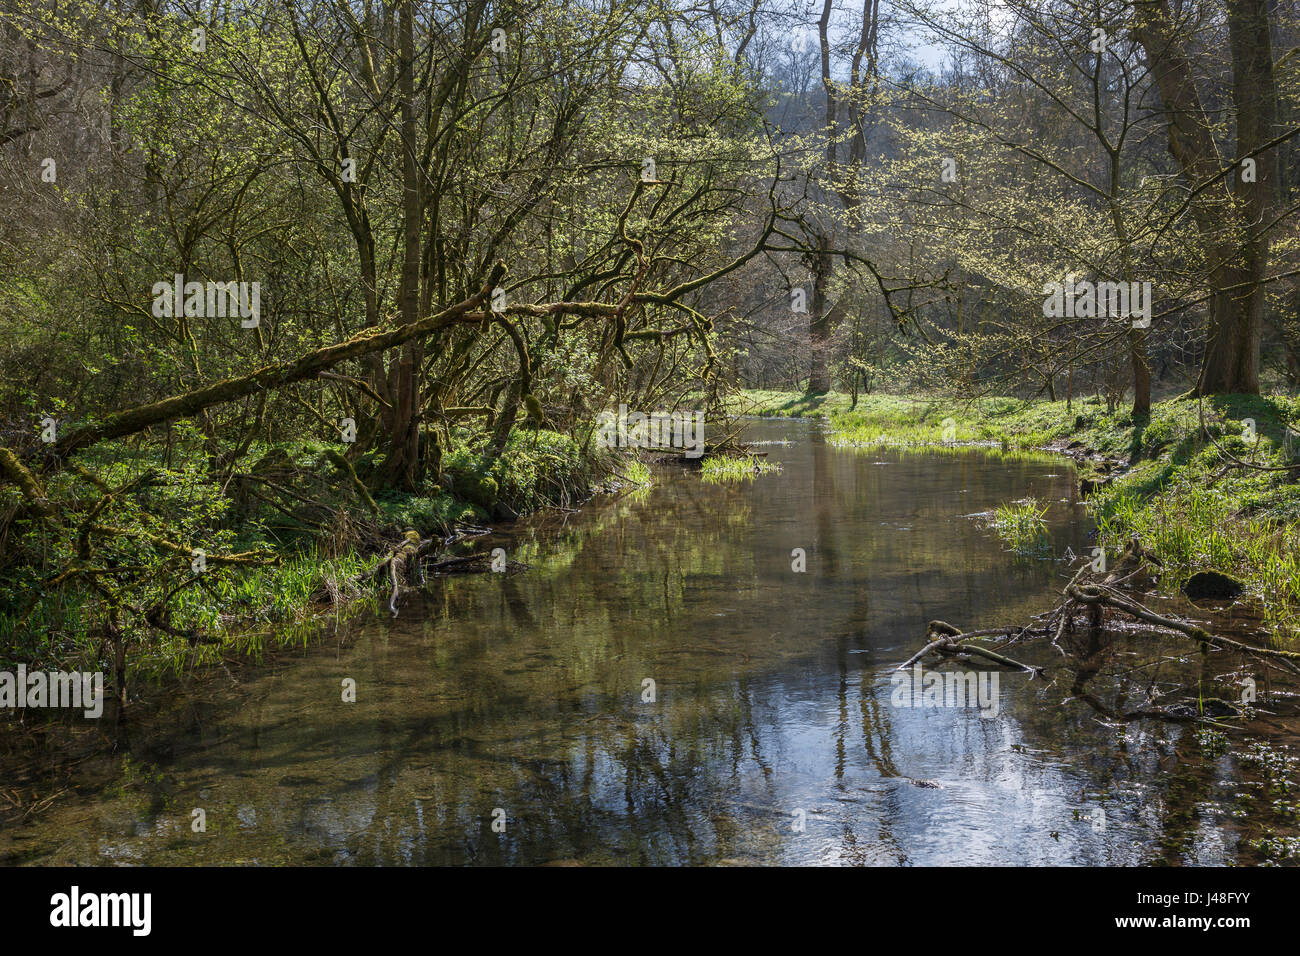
point(401, 563)
point(945, 640)
point(1090, 594)
point(1101, 595)
point(1086, 593)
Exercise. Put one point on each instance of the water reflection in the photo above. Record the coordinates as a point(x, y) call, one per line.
point(520, 702)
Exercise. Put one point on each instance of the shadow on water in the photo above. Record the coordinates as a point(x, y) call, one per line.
point(660, 687)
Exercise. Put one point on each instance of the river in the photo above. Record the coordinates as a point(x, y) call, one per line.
point(511, 718)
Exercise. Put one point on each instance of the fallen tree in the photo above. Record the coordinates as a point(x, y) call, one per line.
point(270, 377)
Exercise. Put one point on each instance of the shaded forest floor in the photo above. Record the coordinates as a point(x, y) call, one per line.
point(1203, 485)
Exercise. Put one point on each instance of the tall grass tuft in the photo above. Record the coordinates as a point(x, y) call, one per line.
point(720, 469)
point(1022, 525)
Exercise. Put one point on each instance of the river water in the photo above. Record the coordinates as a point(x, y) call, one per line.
point(511, 718)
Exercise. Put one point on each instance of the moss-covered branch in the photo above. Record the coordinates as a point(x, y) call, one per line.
point(136, 419)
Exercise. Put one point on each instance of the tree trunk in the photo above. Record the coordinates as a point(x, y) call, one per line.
point(1231, 361)
point(1233, 222)
point(1237, 315)
point(402, 461)
point(1137, 348)
point(820, 320)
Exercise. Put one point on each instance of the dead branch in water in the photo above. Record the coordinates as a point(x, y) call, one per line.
point(946, 640)
point(407, 558)
point(1088, 594)
point(398, 564)
point(1100, 595)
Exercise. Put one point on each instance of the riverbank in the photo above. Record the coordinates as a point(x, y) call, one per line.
point(188, 567)
point(524, 691)
point(1215, 496)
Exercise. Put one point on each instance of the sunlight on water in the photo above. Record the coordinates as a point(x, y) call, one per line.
point(773, 735)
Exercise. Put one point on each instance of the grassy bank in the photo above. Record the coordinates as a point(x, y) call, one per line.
point(285, 536)
point(1164, 478)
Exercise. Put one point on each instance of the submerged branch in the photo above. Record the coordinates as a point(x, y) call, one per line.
point(1091, 594)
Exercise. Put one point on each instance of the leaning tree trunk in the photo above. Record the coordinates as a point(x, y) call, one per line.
point(275, 376)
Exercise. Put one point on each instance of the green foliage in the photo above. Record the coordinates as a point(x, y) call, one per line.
point(536, 468)
point(716, 469)
point(1022, 525)
point(230, 163)
point(1181, 494)
point(181, 505)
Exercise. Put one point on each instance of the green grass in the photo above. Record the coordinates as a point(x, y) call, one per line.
point(1174, 495)
point(1022, 525)
point(637, 473)
point(905, 421)
point(718, 469)
point(277, 605)
point(790, 404)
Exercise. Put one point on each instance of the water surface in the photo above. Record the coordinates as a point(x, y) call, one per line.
point(504, 718)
